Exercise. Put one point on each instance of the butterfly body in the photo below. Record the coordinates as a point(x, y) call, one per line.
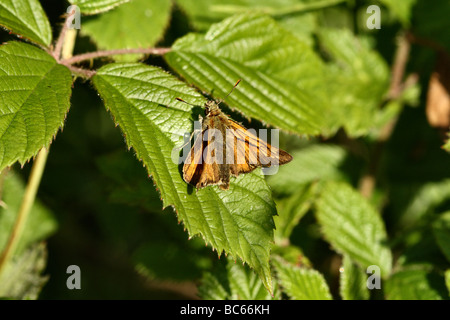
point(225, 148)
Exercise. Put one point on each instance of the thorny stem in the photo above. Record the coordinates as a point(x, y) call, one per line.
point(59, 43)
point(107, 53)
point(84, 73)
point(68, 60)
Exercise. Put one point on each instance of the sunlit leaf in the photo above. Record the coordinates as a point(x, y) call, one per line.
point(353, 281)
point(441, 231)
point(278, 72)
point(22, 278)
point(353, 227)
point(142, 101)
point(233, 282)
point(96, 6)
point(301, 283)
point(358, 80)
point(27, 19)
point(34, 99)
point(415, 285)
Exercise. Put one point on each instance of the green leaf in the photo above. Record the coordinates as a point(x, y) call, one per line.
point(415, 285)
point(298, 18)
point(447, 280)
point(238, 221)
point(22, 278)
point(274, 8)
point(441, 231)
point(429, 196)
point(34, 96)
point(118, 29)
point(291, 254)
point(391, 110)
point(301, 283)
point(291, 209)
point(278, 71)
point(40, 223)
point(27, 19)
point(233, 281)
point(353, 281)
point(353, 227)
point(358, 79)
point(218, 10)
point(96, 6)
point(215, 286)
point(401, 9)
point(420, 248)
point(446, 145)
point(313, 163)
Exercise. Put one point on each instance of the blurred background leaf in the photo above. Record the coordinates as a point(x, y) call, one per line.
point(299, 17)
point(22, 276)
point(353, 227)
point(314, 162)
point(353, 281)
point(96, 6)
point(231, 280)
point(301, 283)
point(358, 80)
point(41, 223)
point(441, 230)
point(112, 30)
point(415, 285)
point(401, 9)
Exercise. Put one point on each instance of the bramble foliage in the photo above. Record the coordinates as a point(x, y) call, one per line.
point(368, 185)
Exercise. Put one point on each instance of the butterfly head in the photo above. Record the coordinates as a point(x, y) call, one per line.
point(212, 108)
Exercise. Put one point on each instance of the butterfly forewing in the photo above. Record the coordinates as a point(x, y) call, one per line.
point(257, 151)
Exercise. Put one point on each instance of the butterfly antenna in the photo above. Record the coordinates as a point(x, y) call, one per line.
point(229, 92)
point(191, 104)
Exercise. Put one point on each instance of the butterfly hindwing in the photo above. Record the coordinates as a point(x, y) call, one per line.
point(193, 165)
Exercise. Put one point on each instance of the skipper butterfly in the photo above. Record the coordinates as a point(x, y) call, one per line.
point(225, 148)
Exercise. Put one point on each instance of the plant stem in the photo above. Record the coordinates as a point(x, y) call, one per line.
point(62, 35)
point(64, 48)
point(107, 53)
point(25, 208)
point(368, 181)
point(66, 54)
point(398, 69)
point(69, 43)
point(84, 73)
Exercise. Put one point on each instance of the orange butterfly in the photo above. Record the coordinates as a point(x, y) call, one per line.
point(225, 148)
